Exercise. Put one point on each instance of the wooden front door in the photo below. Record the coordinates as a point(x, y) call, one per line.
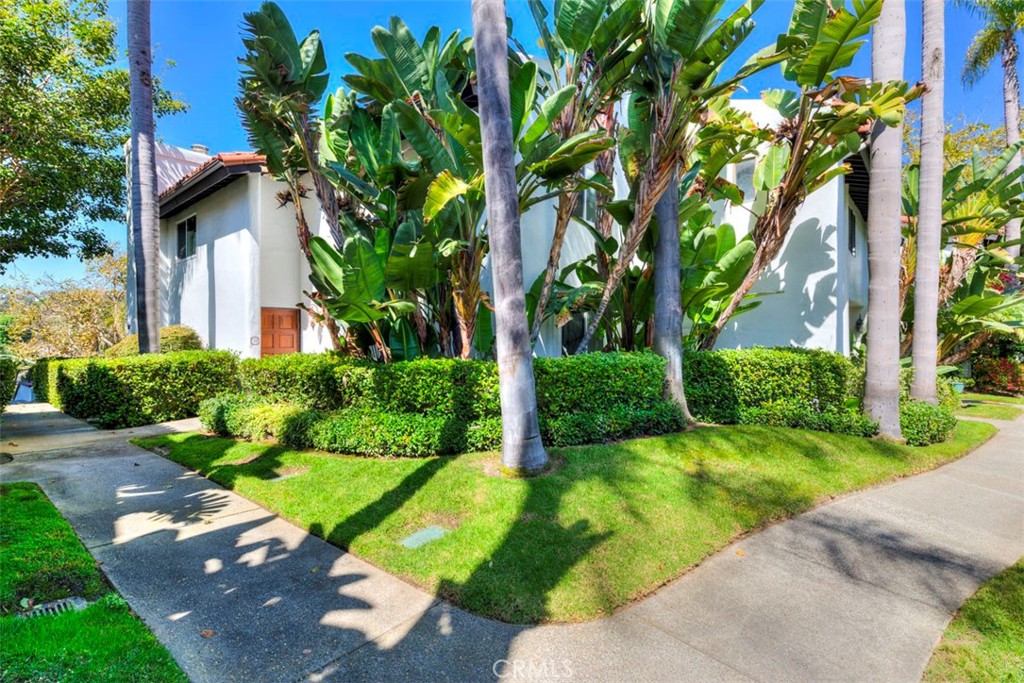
point(279, 331)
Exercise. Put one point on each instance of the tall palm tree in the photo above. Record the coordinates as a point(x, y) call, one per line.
point(1003, 19)
point(521, 447)
point(929, 223)
point(882, 381)
point(145, 226)
point(668, 309)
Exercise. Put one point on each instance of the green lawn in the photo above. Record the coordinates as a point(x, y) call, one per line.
point(990, 411)
point(608, 526)
point(994, 398)
point(985, 641)
point(43, 560)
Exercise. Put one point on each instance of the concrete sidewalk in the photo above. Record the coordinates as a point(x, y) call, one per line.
point(858, 590)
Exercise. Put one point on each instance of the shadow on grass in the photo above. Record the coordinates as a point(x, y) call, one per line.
point(551, 534)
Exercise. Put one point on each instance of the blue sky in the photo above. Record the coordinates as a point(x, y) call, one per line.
point(202, 39)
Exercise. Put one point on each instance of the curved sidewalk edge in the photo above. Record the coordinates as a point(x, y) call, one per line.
point(860, 589)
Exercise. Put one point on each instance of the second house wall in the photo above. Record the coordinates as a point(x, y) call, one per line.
point(215, 291)
point(284, 271)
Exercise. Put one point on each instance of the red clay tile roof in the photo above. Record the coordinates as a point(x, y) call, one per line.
point(223, 159)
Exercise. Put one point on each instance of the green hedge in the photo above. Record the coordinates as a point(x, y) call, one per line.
point(923, 423)
point(784, 387)
point(437, 406)
point(135, 390)
point(172, 338)
point(8, 381)
point(586, 383)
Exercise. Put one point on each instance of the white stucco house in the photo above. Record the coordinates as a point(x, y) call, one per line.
point(232, 270)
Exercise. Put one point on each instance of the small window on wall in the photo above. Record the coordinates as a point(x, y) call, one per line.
point(745, 179)
point(187, 238)
point(851, 232)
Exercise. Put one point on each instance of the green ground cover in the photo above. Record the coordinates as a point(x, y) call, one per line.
point(990, 411)
point(985, 641)
point(993, 398)
point(607, 526)
point(43, 560)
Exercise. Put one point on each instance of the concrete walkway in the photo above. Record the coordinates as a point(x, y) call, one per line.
point(857, 590)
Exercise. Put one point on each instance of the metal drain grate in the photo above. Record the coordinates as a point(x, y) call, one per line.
point(57, 607)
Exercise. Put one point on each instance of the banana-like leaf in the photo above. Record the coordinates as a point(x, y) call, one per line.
point(443, 190)
point(838, 43)
point(771, 167)
point(682, 25)
point(576, 21)
point(550, 109)
point(403, 341)
point(522, 96)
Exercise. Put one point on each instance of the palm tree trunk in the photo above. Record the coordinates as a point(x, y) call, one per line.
point(521, 449)
point(882, 381)
point(929, 223)
point(668, 311)
point(145, 220)
point(1011, 117)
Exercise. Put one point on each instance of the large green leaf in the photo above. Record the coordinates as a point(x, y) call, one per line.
point(550, 109)
point(837, 42)
point(771, 167)
point(682, 25)
point(422, 138)
point(575, 21)
point(443, 190)
point(411, 263)
point(522, 96)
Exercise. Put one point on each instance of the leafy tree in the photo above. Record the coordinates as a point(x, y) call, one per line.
point(978, 199)
point(71, 318)
point(282, 83)
point(63, 120)
point(591, 47)
point(1003, 20)
point(820, 120)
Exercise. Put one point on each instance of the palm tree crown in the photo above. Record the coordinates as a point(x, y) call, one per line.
point(1003, 19)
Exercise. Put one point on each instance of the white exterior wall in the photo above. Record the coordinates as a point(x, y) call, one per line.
point(172, 164)
point(217, 291)
point(284, 271)
point(804, 302)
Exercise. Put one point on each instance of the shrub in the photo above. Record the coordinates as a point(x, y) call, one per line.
point(384, 434)
point(430, 386)
point(597, 382)
point(617, 422)
point(304, 378)
point(923, 423)
point(8, 381)
point(998, 375)
point(789, 414)
point(136, 390)
point(948, 398)
point(172, 338)
point(788, 387)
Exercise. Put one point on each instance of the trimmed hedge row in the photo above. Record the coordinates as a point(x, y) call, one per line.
point(433, 406)
point(388, 434)
point(438, 406)
point(781, 387)
point(446, 386)
point(134, 390)
point(8, 381)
